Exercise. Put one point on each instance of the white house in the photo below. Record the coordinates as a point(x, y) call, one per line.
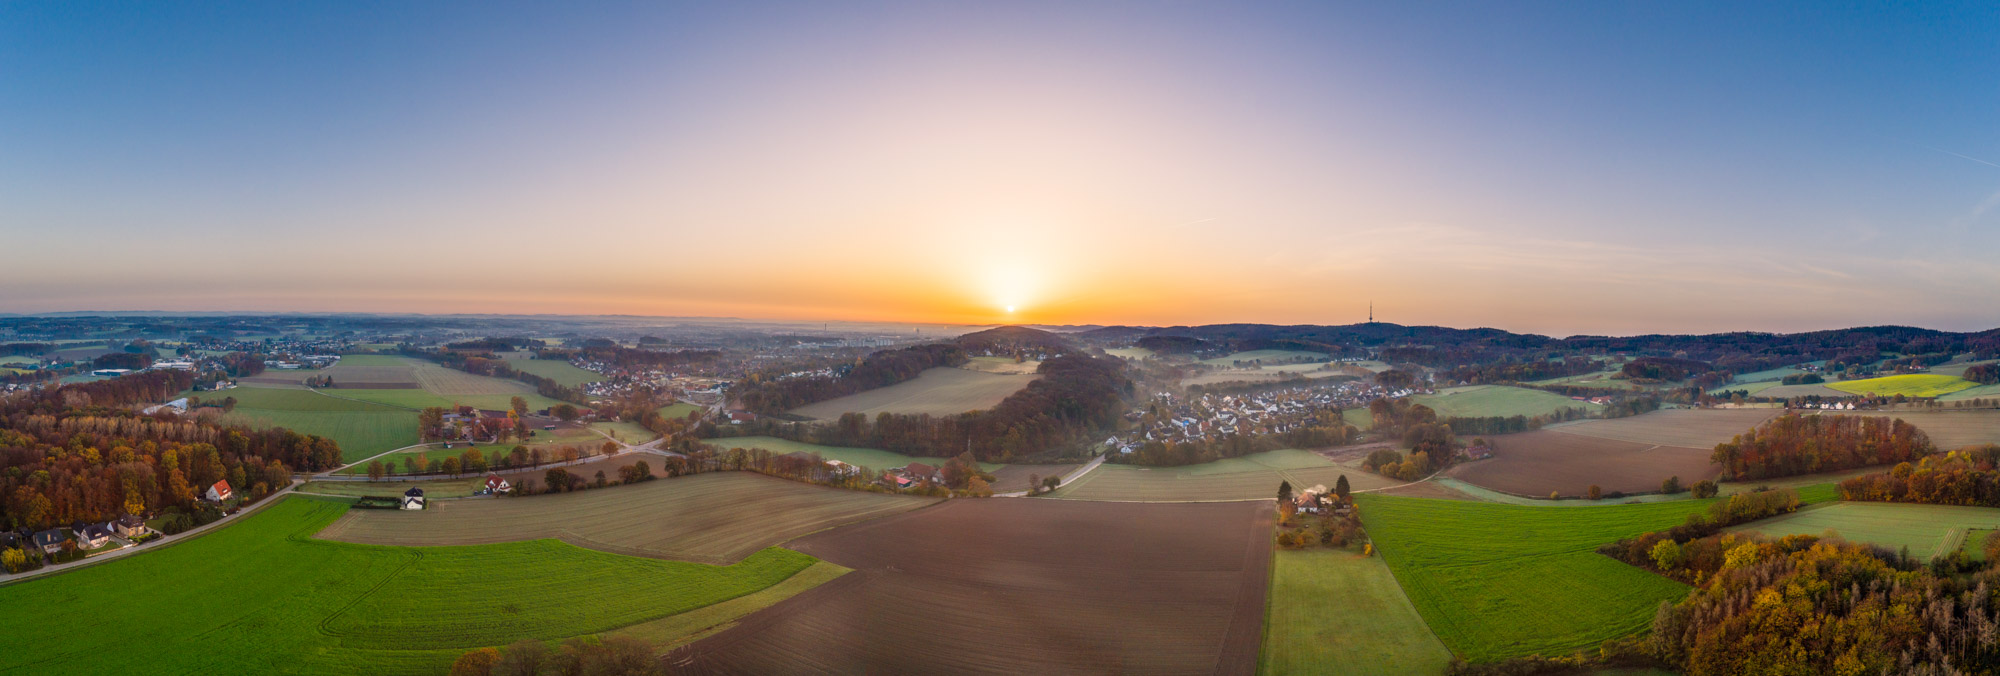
point(413, 498)
point(220, 492)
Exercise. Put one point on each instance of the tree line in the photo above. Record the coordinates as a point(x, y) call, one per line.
point(1792, 444)
point(1078, 396)
point(1967, 476)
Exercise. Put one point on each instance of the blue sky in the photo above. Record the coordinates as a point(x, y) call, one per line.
point(1552, 167)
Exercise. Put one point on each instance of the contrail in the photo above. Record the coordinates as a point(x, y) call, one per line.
point(1969, 157)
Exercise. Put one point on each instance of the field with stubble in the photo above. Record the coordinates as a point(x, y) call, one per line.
point(1020, 586)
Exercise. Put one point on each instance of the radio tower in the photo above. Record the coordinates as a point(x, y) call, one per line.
point(1371, 312)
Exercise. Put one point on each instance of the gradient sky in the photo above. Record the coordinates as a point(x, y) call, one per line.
point(1550, 167)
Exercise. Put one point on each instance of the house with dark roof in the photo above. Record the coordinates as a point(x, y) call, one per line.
point(413, 498)
point(128, 526)
point(93, 536)
point(51, 540)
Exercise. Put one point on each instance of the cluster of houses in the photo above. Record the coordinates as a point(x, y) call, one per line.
point(1171, 418)
point(1318, 500)
point(911, 475)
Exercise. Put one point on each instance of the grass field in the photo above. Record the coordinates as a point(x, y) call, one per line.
point(557, 370)
point(1250, 477)
point(711, 518)
point(362, 429)
point(678, 409)
point(1331, 607)
point(1004, 365)
point(1928, 530)
point(938, 391)
point(628, 432)
point(1980, 392)
point(1496, 581)
point(1909, 385)
point(263, 596)
point(1481, 401)
point(871, 458)
point(673, 631)
point(433, 454)
point(1974, 545)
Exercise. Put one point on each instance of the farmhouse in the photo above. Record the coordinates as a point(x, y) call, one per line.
point(496, 485)
point(220, 491)
point(413, 498)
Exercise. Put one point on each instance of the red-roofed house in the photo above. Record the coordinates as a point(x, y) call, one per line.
point(220, 491)
point(497, 485)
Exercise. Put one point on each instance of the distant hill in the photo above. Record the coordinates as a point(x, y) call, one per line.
point(1010, 339)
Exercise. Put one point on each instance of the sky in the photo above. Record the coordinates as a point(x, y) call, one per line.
point(1558, 168)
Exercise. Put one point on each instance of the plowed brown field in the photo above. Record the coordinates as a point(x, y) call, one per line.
point(1537, 463)
point(1020, 586)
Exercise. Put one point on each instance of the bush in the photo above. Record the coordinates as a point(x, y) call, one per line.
point(1671, 485)
point(1705, 489)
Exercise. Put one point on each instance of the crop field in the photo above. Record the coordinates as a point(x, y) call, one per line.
point(1957, 368)
point(1021, 587)
point(938, 391)
point(1910, 385)
point(1483, 401)
point(557, 370)
point(1980, 392)
point(1496, 581)
point(1335, 607)
point(710, 518)
point(1952, 429)
point(1250, 477)
point(263, 596)
point(1687, 428)
point(871, 458)
point(1544, 461)
point(628, 432)
point(1268, 357)
point(1593, 379)
point(1001, 365)
point(1928, 530)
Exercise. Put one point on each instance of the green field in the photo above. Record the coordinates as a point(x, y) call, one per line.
point(679, 409)
point(557, 370)
point(1974, 545)
point(263, 596)
point(1496, 581)
point(1927, 530)
point(437, 488)
point(870, 458)
point(1250, 477)
point(434, 453)
point(1331, 609)
point(1486, 401)
point(420, 399)
point(362, 429)
point(628, 432)
point(1909, 385)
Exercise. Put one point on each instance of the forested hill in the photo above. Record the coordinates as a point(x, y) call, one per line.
point(1445, 346)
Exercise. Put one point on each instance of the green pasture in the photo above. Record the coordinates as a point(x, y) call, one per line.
point(1496, 581)
point(678, 410)
point(1335, 610)
point(1269, 357)
point(264, 596)
point(557, 370)
point(1495, 401)
point(1928, 530)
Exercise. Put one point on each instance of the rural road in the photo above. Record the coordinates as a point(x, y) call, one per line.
point(164, 541)
point(1067, 478)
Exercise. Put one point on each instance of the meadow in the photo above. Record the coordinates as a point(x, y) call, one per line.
point(679, 409)
point(1267, 357)
point(1251, 477)
point(1496, 581)
point(264, 596)
point(1928, 530)
point(938, 391)
point(362, 429)
point(1909, 385)
point(1335, 608)
point(871, 458)
point(564, 373)
point(1485, 401)
point(712, 518)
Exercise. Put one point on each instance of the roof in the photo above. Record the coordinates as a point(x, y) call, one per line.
point(414, 493)
point(920, 469)
point(221, 487)
point(129, 520)
point(49, 537)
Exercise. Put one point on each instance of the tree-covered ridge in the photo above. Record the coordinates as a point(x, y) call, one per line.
point(774, 393)
point(1792, 444)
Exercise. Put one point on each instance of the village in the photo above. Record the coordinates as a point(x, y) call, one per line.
point(1171, 418)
